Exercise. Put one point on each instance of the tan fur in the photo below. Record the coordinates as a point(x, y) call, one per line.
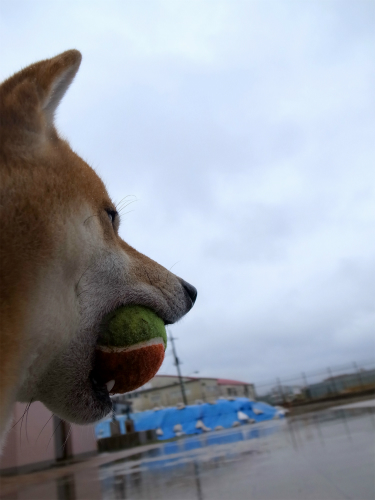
point(62, 263)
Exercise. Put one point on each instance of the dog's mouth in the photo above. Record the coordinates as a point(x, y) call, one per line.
point(118, 369)
point(78, 383)
point(121, 369)
point(100, 390)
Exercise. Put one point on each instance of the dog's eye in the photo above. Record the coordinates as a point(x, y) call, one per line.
point(112, 214)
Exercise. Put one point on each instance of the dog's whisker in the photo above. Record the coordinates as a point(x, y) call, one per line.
point(124, 205)
point(126, 202)
point(122, 215)
point(124, 198)
point(44, 426)
point(21, 417)
point(57, 426)
point(67, 437)
point(90, 216)
point(169, 271)
point(82, 275)
point(27, 414)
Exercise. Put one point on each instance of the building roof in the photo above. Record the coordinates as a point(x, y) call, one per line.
point(227, 381)
point(220, 381)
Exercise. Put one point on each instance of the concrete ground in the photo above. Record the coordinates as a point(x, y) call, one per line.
point(326, 455)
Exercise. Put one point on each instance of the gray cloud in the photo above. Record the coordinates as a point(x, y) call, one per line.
point(245, 130)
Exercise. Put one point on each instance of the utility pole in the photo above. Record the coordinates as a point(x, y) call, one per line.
point(177, 363)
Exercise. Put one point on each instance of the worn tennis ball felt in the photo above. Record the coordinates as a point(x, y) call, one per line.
point(129, 325)
point(130, 348)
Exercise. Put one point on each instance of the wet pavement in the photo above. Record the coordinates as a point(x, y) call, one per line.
point(320, 456)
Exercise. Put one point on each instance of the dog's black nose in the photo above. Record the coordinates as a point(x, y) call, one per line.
point(190, 290)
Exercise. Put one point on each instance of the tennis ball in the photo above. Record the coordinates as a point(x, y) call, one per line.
point(130, 348)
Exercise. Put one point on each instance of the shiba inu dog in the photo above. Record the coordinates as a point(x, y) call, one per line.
point(63, 265)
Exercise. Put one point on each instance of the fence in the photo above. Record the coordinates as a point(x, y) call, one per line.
point(323, 384)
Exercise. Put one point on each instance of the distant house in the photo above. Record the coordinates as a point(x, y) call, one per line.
point(165, 390)
point(281, 394)
point(347, 382)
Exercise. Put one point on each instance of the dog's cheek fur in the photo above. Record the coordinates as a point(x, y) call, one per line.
point(53, 317)
point(65, 385)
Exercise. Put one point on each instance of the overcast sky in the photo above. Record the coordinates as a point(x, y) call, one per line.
point(246, 132)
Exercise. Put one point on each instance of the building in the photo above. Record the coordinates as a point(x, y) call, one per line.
point(165, 390)
point(38, 439)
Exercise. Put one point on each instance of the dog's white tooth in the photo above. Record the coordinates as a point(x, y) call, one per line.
point(110, 385)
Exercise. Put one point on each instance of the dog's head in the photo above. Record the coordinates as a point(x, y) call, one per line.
point(63, 263)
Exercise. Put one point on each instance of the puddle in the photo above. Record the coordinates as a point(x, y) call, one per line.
point(323, 456)
point(320, 456)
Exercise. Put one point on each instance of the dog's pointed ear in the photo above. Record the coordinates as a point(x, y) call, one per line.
point(55, 76)
point(29, 98)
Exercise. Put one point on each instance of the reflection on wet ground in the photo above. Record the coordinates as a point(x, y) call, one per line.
point(322, 456)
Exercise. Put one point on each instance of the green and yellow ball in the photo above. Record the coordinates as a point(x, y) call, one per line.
point(130, 348)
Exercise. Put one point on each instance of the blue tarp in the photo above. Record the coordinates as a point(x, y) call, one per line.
point(103, 430)
point(150, 419)
point(268, 411)
point(186, 417)
point(221, 413)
